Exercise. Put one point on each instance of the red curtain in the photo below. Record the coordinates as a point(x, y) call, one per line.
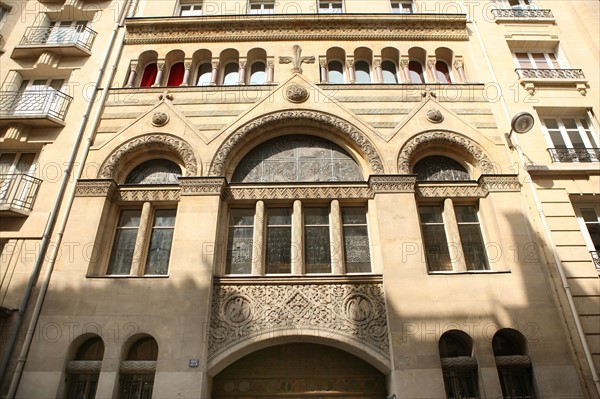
point(176, 74)
point(149, 75)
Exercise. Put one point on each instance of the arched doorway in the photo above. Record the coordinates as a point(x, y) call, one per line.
point(299, 370)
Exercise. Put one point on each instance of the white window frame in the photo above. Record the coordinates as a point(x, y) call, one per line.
point(195, 9)
point(330, 7)
point(261, 7)
point(583, 225)
point(402, 7)
point(565, 135)
point(546, 53)
point(522, 4)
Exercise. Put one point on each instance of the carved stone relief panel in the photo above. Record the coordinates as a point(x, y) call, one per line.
point(353, 312)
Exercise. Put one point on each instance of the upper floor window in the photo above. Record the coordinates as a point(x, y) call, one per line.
point(176, 74)
point(18, 186)
point(258, 74)
point(415, 71)
point(389, 72)
point(335, 72)
point(204, 74)
point(231, 74)
point(571, 139)
point(442, 72)
point(188, 10)
point(518, 4)
point(362, 72)
point(537, 60)
point(330, 7)
point(261, 7)
point(402, 7)
point(149, 75)
point(588, 216)
point(437, 167)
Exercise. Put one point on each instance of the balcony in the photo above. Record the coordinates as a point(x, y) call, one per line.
point(574, 154)
point(63, 40)
point(596, 259)
point(532, 79)
point(46, 108)
point(523, 15)
point(17, 194)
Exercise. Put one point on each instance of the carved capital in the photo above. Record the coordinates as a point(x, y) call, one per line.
point(459, 64)
point(201, 185)
point(95, 188)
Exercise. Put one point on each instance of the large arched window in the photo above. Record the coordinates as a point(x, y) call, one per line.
point(297, 158)
point(459, 367)
point(362, 72)
point(155, 171)
point(138, 368)
point(438, 168)
point(335, 72)
point(513, 364)
point(389, 72)
point(84, 369)
point(149, 75)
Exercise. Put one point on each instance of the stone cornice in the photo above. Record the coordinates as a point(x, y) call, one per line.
point(230, 28)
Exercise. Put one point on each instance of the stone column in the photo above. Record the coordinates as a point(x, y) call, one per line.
point(336, 242)
point(432, 70)
point(378, 72)
point(351, 74)
point(137, 263)
point(160, 66)
point(132, 74)
point(187, 74)
point(258, 240)
point(405, 72)
point(297, 253)
point(323, 68)
point(270, 70)
point(215, 73)
point(459, 66)
point(242, 72)
point(453, 237)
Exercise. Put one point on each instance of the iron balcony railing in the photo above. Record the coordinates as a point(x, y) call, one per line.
point(34, 103)
point(596, 259)
point(77, 35)
point(515, 13)
point(574, 154)
point(18, 191)
point(532, 73)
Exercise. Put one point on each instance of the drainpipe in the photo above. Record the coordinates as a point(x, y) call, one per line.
point(53, 218)
point(547, 232)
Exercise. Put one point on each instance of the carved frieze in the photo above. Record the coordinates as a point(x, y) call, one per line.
point(392, 183)
point(500, 182)
point(330, 192)
point(349, 311)
point(450, 191)
point(218, 164)
point(110, 166)
point(146, 195)
point(442, 137)
point(84, 366)
point(201, 185)
point(304, 28)
point(137, 367)
point(95, 188)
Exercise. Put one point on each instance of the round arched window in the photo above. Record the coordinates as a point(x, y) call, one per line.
point(438, 167)
point(297, 158)
point(155, 171)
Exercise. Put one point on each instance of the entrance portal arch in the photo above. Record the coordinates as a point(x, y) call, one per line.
point(299, 370)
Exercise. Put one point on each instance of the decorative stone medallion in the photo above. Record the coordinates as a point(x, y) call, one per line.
point(435, 116)
point(160, 119)
point(296, 93)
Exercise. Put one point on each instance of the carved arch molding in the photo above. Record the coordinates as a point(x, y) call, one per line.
point(329, 121)
point(443, 137)
point(163, 141)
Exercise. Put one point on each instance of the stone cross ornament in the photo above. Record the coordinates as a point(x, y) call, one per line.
point(296, 60)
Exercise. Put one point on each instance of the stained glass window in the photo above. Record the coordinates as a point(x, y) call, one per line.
point(317, 251)
point(356, 240)
point(279, 240)
point(297, 158)
point(155, 171)
point(239, 241)
point(438, 167)
point(434, 238)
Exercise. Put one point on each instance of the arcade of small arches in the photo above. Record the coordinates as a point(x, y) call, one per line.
point(336, 66)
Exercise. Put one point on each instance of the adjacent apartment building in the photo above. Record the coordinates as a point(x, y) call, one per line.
point(299, 199)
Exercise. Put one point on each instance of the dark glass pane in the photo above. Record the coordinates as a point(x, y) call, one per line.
point(279, 216)
point(505, 346)
point(317, 252)
point(92, 349)
point(82, 386)
point(551, 123)
point(279, 245)
point(156, 171)
point(143, 349)
point(439, 168)
point(239, 241)
point(122, 251)
point(356, 249)
point(557, 139)
point(136, 386)
point(473, 248)
point(460, 384)
point(436, 248)
point(516, 383)
point(130, 218)
point(164, 217)
point(466, 214)
point(388, 69)
point(430, 214)
point(354, 215)
point(159, 251)
point(316, 216)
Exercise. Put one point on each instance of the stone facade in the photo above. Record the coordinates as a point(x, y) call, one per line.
point(389, 91)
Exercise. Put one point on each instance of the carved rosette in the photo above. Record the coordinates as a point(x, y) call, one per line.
point(435, 116)
point(352, 311)
point(445, 138)
point(160, 119)
point(109, 168)
point(360, 139)
point(95, 188)
point(296, 93)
